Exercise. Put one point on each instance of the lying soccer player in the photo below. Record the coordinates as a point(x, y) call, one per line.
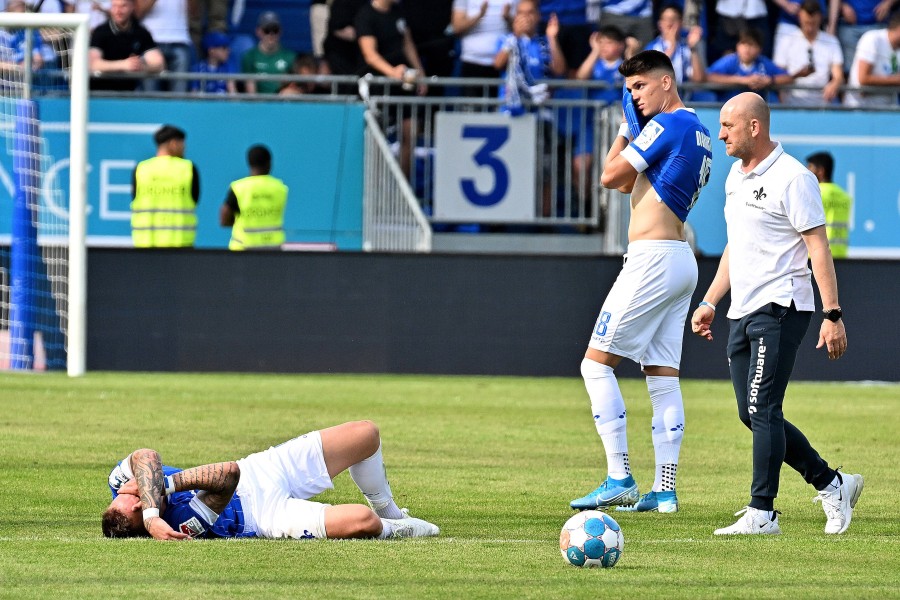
point(263, 495)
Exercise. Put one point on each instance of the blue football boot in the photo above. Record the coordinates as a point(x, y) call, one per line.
point(612, 492)
point(664, 502)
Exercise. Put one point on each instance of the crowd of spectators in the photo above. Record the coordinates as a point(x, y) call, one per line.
point(775, 47)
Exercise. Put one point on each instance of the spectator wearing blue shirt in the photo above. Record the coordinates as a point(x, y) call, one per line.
point(525, 58)
point(12, 44)
point(533, 49)
point(747, 69)
point(602, 65)
point(682, 46)
point(217, 51)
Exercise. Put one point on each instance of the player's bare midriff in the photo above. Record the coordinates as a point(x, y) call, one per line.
point(651, 219)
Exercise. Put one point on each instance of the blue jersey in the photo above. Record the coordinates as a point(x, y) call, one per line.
point(610, 74)
point(185, 513)
point(674, 151)
point(210, 86)
point(534, 57)
point(579, 121)
point(731, 65)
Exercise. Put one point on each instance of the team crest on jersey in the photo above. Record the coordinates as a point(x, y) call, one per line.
point(649, 133)
point(117, 478)
point(192, 527)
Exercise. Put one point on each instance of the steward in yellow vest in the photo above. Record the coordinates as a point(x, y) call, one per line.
point(836, 201)
point(166, 191)
point(254, 207)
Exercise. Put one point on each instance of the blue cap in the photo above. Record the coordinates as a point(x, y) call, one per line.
point(214, 39)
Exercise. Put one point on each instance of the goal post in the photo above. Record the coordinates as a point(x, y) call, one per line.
point(43, 293)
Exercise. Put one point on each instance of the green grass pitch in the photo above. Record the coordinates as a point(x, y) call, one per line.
point(494, 461)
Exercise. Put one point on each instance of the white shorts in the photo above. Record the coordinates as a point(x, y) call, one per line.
point(644, 314)
point(275, 487)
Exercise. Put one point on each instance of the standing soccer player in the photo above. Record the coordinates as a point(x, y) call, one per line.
point(775, 220)
point(643, 316)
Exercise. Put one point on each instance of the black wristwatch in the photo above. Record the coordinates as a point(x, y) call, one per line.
point(833, 314)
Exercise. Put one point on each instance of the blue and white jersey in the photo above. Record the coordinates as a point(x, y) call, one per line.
point(674, 151)
point(534, 57)
point(185, 512)
point(680, 57)
point(629, 8)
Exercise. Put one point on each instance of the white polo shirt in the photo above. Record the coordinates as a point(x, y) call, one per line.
point(479, 44)
point(875, 48)
point(792, 53)
point(765, 211)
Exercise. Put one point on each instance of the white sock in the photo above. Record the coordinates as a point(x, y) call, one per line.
point(665, 478)
point(387, 529)
point(668, 428)
point(370, 477)
point(609, 415)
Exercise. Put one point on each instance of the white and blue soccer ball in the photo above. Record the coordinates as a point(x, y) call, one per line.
point(591, 538)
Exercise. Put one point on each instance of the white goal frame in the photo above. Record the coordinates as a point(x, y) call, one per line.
point(78, 119)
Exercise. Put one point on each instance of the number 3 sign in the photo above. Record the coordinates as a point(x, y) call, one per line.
point(484, 168)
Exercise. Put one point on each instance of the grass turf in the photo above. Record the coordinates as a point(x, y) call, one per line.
point(493, 461)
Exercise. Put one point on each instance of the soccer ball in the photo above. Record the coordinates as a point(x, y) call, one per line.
point(591, 538)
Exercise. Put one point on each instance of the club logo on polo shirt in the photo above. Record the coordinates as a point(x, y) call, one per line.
point(759, 194)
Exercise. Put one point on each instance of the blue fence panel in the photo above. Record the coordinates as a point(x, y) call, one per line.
point(317, 150)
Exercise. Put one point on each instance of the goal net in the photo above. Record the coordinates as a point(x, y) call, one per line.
point(43, 59)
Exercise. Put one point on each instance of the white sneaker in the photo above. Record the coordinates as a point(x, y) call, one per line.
point(754, 521)
point(409, 527)
point(838, 505)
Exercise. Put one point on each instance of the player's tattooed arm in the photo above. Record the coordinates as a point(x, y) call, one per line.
point(147, 468)
point(217, 483)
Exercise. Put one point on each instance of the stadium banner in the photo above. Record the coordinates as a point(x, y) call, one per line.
point(865, 145)
point(318, 152)
point(484, 168)
point(317, 149)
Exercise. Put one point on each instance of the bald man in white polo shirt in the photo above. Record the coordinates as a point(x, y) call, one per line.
point(775, 220)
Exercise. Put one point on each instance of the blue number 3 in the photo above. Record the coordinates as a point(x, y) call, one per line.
point(602, 322)
point(494, 137)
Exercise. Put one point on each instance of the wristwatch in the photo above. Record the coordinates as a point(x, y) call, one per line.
point(833, 314)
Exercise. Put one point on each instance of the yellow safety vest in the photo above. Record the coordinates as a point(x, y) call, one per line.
point(837, 205)
point(163, 212)
point(260, 221)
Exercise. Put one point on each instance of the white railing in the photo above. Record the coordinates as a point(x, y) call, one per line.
point(392, 218)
